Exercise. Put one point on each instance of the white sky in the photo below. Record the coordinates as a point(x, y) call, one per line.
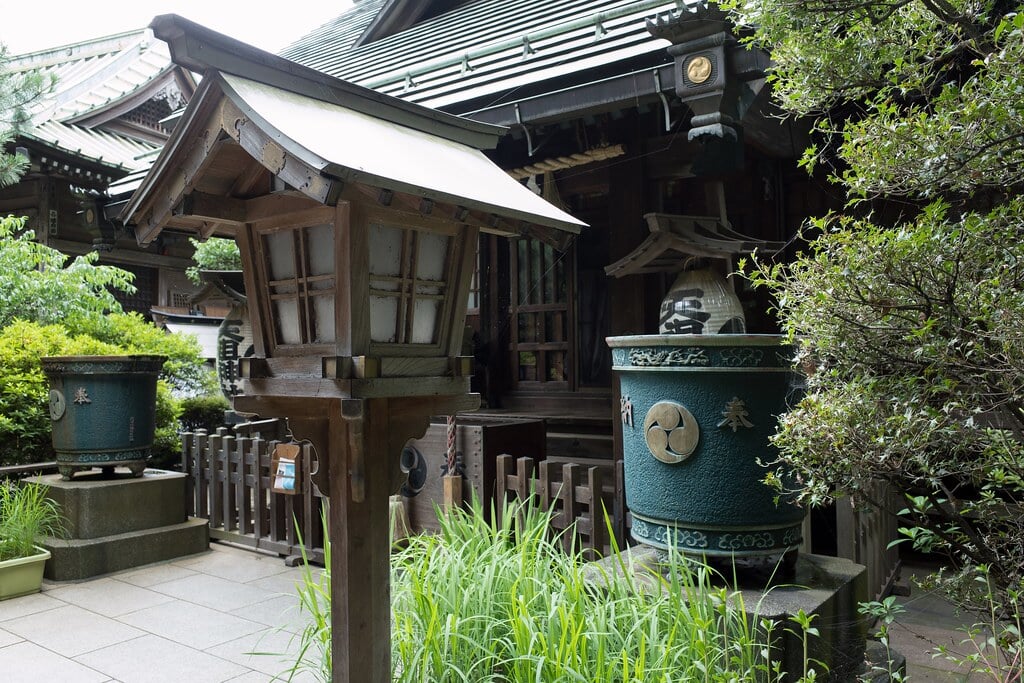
point(31, 25)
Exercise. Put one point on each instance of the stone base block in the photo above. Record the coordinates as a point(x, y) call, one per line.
point(95, 506)
point(830, 588)
point(75, 559)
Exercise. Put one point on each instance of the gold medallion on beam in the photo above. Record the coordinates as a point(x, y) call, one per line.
point(698, 69)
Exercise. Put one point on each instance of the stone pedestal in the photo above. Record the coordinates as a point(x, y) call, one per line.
point(121, 522)
point(828, 587)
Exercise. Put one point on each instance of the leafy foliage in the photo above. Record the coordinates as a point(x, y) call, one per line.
point(24, 416)
point(51, 308)
point(17, 91)
point(918, 374)
point(37, 282)
point(183, 369)
point(215, 253)
point(910, 306)
point(204, 412)
point(920, 96)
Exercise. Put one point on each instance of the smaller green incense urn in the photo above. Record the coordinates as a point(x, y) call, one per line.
point(102, 410)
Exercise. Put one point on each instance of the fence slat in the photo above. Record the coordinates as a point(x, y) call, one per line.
point(228, 517)
point(216, 510)
point(242, 501)
point(595, 513)
point(570, 506)
point(259, 449)
point(577, 502)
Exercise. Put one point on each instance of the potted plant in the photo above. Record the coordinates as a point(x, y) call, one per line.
point(26, 513)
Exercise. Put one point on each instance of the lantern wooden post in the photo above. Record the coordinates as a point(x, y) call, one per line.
point(358, 443)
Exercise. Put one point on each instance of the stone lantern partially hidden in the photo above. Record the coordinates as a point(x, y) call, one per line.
point(357, 216)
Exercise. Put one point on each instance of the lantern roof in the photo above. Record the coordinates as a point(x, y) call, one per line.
point(257, 116)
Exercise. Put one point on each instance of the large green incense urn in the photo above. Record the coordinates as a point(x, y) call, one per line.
point(102, 410)
point(697, 413)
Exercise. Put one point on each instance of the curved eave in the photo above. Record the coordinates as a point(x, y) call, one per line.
point(353, 147)
point(320, 147)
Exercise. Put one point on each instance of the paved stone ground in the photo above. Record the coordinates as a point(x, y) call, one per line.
point(928, 622)
point(192, 620)
point(197, 618)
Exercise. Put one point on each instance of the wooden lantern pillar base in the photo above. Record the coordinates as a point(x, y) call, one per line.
point(359, 442)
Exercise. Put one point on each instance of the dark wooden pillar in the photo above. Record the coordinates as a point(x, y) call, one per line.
point(359, 442)
point(627, 295)
point(360, 547)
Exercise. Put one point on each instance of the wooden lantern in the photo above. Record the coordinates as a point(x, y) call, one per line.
point(357, 216)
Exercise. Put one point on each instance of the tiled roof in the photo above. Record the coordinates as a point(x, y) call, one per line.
point(487, 48)
point(92, 76)
point(95, 144)
point(341, 33)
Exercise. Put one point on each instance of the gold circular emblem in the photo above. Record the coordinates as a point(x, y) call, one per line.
point(671, 432)
point(698, 69)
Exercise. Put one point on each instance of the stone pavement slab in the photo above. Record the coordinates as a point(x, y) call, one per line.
point(214, 592)
point(152, 659)
point(27, 662)
point(71, 630)
point(192, 625)
point(108, 596)
point(195, 618)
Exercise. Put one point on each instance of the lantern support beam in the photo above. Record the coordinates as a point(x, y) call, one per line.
point(209, 207)
point(358, 443)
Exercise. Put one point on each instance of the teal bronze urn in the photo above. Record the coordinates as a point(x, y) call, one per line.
point(697, 413)
point(102, 411)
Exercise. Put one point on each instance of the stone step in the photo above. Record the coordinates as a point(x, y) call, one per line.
point(75, 559)
point(95, 507)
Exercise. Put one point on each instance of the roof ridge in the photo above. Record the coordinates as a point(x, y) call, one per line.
point(79, 51)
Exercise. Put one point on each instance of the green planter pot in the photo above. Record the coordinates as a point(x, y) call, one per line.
point(23, 575)
point(697, 413)
point(103, 410)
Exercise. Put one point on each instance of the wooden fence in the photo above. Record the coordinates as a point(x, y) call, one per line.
point(863, 535)
point(580, 499)
point(230, 482)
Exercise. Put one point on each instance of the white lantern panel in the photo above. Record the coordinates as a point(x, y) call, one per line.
point(323, 312)
point(383, 319)
point(386, 250)
point(425, 321)
point(433, 256)
point(287, 318)
point(320, 245)
point(281, 249)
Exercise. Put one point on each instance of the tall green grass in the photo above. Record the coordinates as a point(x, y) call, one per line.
point(481, 602)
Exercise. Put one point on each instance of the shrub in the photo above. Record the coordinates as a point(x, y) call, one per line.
point(914, 338)
point(50, 307)
point(203, 412)
point(216, 253)
point(24, 416)
point(183, 370)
